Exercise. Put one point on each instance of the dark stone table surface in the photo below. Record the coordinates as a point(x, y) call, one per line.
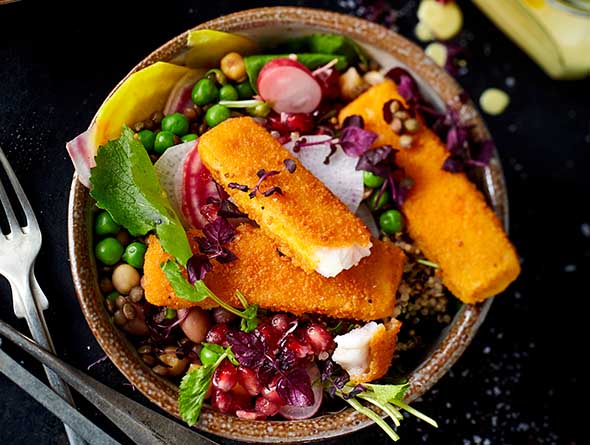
point(518, 382)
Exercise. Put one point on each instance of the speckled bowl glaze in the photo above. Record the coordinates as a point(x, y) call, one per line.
point(389, 49)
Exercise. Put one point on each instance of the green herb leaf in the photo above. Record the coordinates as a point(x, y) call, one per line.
point(125, 183)
point(255, 63)
point(195, 384)
point(217, 349)
point(193, 388)
point(194, 293)
point(387, 393)
point(249, 321)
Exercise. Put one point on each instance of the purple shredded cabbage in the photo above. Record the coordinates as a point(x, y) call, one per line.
point(263, 175)
point(406, 85)
point(354, 120)
point(197, 267)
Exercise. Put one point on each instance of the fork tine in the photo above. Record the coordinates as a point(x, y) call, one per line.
point(5, 202)
point(20, 194)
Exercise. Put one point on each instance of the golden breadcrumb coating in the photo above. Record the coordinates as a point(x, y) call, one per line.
point(269, 279)
point(302, 220)
point(446, 215)
point(381, 349)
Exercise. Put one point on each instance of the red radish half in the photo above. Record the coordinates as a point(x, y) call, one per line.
point(82, 155)
point(181, 95)
point(197, 186)
point(289, 86)
point(170, 171)
point(305, 412)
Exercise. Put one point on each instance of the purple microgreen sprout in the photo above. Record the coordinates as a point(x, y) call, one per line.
point(289, 166)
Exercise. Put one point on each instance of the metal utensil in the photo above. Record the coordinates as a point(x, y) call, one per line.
point(141, 424)
point(50, 400)
point(18, 251)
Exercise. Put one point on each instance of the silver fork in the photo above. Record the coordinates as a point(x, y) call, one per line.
point(18, 251)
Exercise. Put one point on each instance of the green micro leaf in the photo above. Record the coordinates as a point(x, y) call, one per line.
point(125, 183)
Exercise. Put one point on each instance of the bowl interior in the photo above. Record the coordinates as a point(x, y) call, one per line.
point(264, 25)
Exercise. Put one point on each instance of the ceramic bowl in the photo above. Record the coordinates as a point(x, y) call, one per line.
point(389, 49)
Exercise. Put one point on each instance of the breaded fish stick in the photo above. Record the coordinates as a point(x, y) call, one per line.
point(269, 279)
point(447, 216)
point(310, 225)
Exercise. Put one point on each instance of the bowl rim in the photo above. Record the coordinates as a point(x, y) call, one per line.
point(163, 393)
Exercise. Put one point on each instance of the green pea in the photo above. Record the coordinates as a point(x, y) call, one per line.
point(189, 137)
point(216, 115)
point(205, 92)
point(208, 357)
point(113, 295)
point(245, 91)
point(391, 221)
point(259, 110)
point(170, 313)
point(134, 254)
point(176, 123)
point(147, 138)
point(108, 251)
point(384, 199)
point(164, 140)
point(372, 180)
point(228, 92)
point(105, 225)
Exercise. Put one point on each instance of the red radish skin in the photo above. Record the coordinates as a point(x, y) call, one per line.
point(198, 185)
point(305, 412)
point(289, 86)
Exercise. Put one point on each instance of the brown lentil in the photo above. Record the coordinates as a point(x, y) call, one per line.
point(148, 359)
point(149, 124)
point(160, 370)
point(411, 125)
point(129, 311)
point(136, 294)
point(190, 113)
point(401, 114)
point(106, 285)
point(138, 126)
point(120, 301)
point(405, 141)
point(157, 117)
point(145, 349)
point(397, 125)
point(110, 304)
point(119, 318)
point(123, 237)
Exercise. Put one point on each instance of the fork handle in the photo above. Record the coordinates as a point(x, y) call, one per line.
point(40, 334)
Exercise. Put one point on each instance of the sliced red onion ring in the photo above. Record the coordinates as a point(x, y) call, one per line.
point(181, 95)
point(305, 412)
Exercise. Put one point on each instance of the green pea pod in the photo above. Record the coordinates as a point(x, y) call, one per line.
point(311, 60)
point(327, 44)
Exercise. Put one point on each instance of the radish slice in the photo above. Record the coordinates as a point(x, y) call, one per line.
point(82, 154)
point(340, 175)
point(197, 186)
point(305, 412)
point(366, 216)
point(181, 95)
point(289, 86)
point(170, 171)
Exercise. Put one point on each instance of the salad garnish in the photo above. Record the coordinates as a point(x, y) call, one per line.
point(125, 183)
point(195, 384)
point(263, 175)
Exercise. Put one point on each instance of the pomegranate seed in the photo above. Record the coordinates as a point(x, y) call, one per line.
point(270, 393)
point(288, 122)
point(270, 335)
point(266, 407)
point(330, 83)
point(240, 399)
point(250, 415)
point(249, 380)
point(319, 339)
point(222, 401)
point(280, 322)
point(225, 376)
point(298, 347)
point(217, 335)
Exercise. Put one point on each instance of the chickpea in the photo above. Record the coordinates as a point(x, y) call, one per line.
point(176, 365)
point(352, 84)
point(232, 65)
point(125, 277)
